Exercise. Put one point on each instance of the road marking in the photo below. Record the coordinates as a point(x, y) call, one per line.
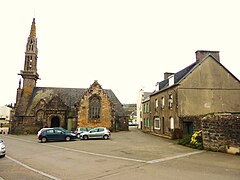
point(117, 157)
point(32, 169)
point(97, 154)
point(173, 157)
point(84, 152)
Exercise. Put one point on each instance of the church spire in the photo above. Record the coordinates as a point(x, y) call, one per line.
point(33, 29)
point(29, 74)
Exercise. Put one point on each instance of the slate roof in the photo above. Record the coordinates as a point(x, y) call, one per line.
point(146, 96)
point(184, 72)
point(177, 77)
point(69, 96)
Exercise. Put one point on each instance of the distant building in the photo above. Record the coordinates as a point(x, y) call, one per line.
point(5, 113)
point(131, 110)
point(141, 98)
point(146, 115)
point(38, 107)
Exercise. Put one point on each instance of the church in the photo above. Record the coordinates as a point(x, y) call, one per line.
point(38, 107)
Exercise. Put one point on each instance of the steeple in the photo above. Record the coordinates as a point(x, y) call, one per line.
point(33, 29)
point(29, 74)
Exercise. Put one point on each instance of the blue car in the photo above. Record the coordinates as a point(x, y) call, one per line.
point(53, 134)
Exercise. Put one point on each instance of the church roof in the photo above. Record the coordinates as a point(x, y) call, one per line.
point(69, 96)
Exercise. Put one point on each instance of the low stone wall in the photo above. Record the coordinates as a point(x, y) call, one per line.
point(221, 132)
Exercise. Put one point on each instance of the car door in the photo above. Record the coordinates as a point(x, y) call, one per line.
point(93, 133)
point(49, 134)
point(59, 134)
point(100, 132)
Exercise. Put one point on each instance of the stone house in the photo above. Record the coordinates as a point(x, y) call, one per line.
point(38, 107)
point(203, 87)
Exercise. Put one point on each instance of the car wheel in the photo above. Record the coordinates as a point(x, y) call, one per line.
point(44, 139)
point(85, 137)
point(2, 156)
point(67, 138)
point(78, 135)
point(105, 137)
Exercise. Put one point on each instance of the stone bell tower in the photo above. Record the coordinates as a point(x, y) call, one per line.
point(29, 74)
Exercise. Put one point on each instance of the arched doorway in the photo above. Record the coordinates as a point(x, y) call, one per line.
point(55, 121)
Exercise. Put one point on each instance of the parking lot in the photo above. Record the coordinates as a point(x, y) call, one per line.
point(126, 155)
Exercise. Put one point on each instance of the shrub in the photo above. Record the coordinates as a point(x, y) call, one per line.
point(196, 140)
point(193, 141)
point(185, 141)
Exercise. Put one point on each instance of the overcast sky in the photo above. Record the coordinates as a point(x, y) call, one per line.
point(126, 45)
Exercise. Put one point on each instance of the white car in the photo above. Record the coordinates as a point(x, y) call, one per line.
point(80, 130)
point(99, 132)
point(2, 149)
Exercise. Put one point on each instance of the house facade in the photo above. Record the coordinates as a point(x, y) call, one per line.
point(146, 115)
point(38, 107)
point(141, 97)
point(203, 87)
point(5, 113)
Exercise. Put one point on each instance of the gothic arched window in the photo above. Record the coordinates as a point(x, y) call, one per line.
point(94, 107)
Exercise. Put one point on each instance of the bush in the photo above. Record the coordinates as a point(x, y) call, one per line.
point(193, 141)
point(185, 141)
point(196, 140)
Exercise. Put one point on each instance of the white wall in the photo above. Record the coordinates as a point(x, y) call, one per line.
point(5, 112)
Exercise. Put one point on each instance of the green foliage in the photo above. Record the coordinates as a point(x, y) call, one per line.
point(193, 141)
point(185, 141)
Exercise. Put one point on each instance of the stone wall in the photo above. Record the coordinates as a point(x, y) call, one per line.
point(106, 119)
point(221, 132)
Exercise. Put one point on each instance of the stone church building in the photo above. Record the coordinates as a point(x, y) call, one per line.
point(38, 107)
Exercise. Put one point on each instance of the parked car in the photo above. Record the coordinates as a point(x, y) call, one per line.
point(54, 128)
point(41, 130)
point(80, 130)
point(96, 133)
point(2, 148)
point(54, 134)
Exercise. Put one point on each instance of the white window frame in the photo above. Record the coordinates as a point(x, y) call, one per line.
point(156, 104)
point(163, 102)
point(171, 123)
point(170, 101)
point(157, 122)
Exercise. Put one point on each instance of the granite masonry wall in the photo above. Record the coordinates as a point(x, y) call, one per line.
point(221, 132)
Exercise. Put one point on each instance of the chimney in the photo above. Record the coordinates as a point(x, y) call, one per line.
point(201, 54)
point(167, 74)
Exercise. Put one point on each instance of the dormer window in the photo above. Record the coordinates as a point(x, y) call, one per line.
point(171, 80)
point(157, 86)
